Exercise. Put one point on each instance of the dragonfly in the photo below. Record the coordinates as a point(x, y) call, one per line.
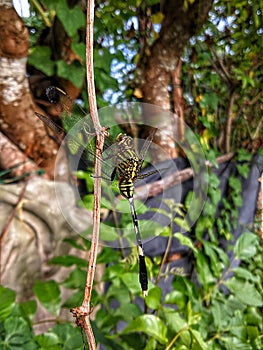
point(128, 162)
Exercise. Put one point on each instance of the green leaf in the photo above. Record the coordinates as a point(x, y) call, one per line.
point(174, 320)
point(198, 342)
point(68, 260)
point(244, 291)
point(68, 335)
point(185, 241)
point(176, 297)
point(102, 60)
point(244, 273)
point(204, 272)
point(40, 59)
point(108, 233)
point(166, 232)
point(18, 334)
point(7, 297)
point(104, 80)
point(74, 299)
point(253, 316)
point(235, 183)
point(151, 344)
point(244, 155)
point(246, 246)
point(88, 201)
point(73, 72)
point(29, 308)
point(151, 325)
point(74, 243)
point(48, 341)
point(215, 195)
point(131, 280)
point(252, 332)
point(79, 49)
point(123, 206)
point(48, 294)
point(108, 255)
point(243, 170)
point(72, 19)
point(182, 223)
point(153, 299)
point(127, 312)
point(76, 279)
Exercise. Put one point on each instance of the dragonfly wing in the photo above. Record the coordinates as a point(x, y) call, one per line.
point(70, 111)
point(147, 144)
point(78, 147)
point(50, 123)
point(72, 143)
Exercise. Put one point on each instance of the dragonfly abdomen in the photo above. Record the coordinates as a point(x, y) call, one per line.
point(126, 187)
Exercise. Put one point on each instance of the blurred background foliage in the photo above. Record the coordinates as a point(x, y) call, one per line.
point(221, 83)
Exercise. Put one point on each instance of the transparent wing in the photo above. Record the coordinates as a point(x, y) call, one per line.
point(50, 123)
point(73, 144)
point(147, 144)
point(70, 112)
point(80, 136)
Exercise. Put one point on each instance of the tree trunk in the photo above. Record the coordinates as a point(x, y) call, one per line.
point(161, 66)
point(17, 120)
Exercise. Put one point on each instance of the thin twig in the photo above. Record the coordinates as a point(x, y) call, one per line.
point(82, 313)
point(221, 64)
point(255, 99)
point(257, 131)
point(164, 259)
point(42, 13)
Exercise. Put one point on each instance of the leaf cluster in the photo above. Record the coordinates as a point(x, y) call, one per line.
point(223, 76)
point(219, 307)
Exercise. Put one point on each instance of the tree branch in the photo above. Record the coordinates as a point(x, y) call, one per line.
point(154, 188)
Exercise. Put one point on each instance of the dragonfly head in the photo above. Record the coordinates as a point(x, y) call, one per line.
point(123, 139)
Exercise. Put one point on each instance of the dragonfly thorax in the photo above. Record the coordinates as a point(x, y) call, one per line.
point(128, 164)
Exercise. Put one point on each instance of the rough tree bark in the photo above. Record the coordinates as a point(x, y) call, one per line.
point(160, 65)
point(17, 120)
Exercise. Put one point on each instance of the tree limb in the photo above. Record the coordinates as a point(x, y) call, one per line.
point(154, 188)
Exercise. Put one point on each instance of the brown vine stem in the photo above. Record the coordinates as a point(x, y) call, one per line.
point(82, 313)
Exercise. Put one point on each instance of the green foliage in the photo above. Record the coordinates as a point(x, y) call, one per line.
point(7, 302)
point(40, 59)
point(48, 294)
point(222, 65)
point(222, 62)
point(74, 72)
point(72, 19)
point(222, 312)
